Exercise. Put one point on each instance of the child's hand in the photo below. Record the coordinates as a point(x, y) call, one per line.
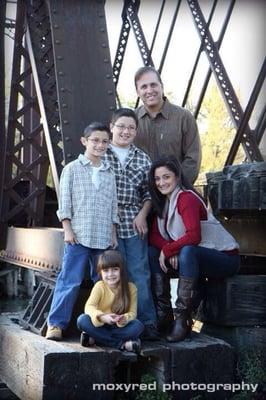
point(69, 236)
point(121, 319)
point(108, 319)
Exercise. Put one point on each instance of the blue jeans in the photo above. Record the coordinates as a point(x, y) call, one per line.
point(199, 262)
point(110, 335)
point(76, 260)
point(135, 253)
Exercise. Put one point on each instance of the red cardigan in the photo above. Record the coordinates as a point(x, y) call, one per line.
point(192, 212)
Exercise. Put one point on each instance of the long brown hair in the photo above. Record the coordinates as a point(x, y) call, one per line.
point(171, 163)
point(111, 259)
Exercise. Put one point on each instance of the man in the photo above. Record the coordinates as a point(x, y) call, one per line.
point(164, 128)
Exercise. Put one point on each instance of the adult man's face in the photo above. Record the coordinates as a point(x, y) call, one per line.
point(150, 90)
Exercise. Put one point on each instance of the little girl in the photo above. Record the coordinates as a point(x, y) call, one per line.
point(110, 311)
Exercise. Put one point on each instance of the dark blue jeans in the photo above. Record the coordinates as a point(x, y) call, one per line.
point(77, 259)
point(199, 262)
point(110, 335)
point(135, 253)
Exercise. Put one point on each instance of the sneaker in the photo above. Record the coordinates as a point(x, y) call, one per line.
point(54, 333)
point(86, 340)
point(132, 346)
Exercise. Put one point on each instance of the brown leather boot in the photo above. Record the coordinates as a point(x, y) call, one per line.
point(183, 322)
point(161, 291)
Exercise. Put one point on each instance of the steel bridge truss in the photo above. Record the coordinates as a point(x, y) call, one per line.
point(56, 89)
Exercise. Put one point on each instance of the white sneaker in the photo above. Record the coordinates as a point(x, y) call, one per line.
point(54, 333)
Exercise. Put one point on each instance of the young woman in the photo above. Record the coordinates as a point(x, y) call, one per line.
point(110, 312)
point(187, 238)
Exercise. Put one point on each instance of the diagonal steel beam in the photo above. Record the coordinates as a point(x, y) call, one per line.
point(248, 142)
point(241, 133)
point(43, 115)
point(139, 35)
point(122, 44)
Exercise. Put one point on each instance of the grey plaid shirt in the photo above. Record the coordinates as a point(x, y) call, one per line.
point(92, 210)
point(132, 186)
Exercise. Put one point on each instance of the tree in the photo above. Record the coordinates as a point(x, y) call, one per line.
point(217, 132)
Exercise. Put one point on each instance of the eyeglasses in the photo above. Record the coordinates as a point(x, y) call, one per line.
point(96, 141)
point(131, 128)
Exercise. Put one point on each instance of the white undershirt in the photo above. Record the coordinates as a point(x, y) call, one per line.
point(121, 153)
point(95, 176)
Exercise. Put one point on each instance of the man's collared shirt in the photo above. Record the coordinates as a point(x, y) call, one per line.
point(132, 186)
point(92, 210)
point(172, 132)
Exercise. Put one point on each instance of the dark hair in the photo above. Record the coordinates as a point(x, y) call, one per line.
point(124, 112)
point(171, 163)
point(143, 70)
point(96, 126)
point(111, 259)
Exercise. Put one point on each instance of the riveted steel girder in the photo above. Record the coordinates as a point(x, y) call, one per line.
point(248, 140)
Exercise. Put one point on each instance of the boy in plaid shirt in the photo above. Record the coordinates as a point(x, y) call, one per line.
point(131, 167)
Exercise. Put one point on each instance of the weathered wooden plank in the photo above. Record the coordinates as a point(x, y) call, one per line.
point(240, 337)
point(203, 360)
point(36, 369)
point(236, 301)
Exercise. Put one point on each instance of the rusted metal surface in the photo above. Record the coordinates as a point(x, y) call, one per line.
point(67, 59)
point(35, 315)
point(83, 68)
point(40, 249)
point(25, 150)
point(64, 80)
point(45, 124)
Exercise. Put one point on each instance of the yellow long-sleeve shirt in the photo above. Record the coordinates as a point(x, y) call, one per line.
point(101, 299)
